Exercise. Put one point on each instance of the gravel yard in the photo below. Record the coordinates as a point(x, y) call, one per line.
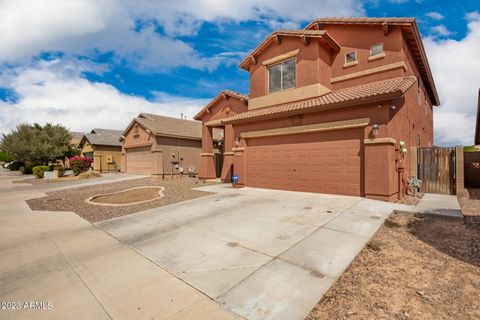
point(129, 196)
point(176, 190)
point(415, 268)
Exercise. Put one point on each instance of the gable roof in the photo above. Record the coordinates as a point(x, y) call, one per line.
point(412, 35)
point(275, 36)
point(103, 137)
point(371, 92)
point(477, 127)
point(222, 95)
point(169, 127)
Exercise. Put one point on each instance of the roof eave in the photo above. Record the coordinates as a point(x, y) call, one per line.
point(245, 64)
point(222, 94)
point(376, 98)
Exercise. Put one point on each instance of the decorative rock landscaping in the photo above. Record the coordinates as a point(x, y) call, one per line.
point(127, 197)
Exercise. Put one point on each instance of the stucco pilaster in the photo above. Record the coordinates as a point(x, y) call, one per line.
point(157, 161)
point(207, 162)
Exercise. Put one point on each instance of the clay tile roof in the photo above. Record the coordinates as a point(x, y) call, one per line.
point(219, 96)
point(363, 20)
point(412, 37)
point(320, 34)
point(104, 137)
point(376, 91)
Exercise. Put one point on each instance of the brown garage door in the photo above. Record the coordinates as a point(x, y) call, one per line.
point(326, 162)
point(139, 160)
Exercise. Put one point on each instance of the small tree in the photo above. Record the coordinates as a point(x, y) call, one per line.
point(37, 144)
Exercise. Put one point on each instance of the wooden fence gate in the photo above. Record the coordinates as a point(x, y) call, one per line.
point(436, 169)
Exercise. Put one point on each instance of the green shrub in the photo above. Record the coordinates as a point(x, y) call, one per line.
point(39, 170)
point(15, 165)
point(5, 157)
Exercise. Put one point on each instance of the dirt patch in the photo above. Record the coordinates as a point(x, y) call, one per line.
point(416, 267)
point(129, 196)
point(178, 189)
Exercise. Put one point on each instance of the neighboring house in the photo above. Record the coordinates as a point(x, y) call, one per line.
point(330, 110)
point(477, 127)
point(159, 145)
point(104, 147)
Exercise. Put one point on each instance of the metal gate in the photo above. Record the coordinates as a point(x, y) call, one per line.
point(436, 169)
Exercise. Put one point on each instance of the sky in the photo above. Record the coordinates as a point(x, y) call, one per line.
point(98, 63)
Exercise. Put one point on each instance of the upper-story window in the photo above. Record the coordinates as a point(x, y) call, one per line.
point(376, 49)
point(281, 76)
point(351, 57)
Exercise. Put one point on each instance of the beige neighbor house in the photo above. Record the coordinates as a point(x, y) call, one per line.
point(104, 147)
point(158, 145)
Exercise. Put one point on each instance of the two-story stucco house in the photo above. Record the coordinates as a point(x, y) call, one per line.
point(339, 107)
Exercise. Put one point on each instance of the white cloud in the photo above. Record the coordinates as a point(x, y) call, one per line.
point(455, 65)
point(435, 15)
point(55, 92)
point(183, 17)
point(441, 30)
point(86, 27)
point(89, 27)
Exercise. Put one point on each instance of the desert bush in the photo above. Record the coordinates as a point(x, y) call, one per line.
point(39, 170)
point(80, 164)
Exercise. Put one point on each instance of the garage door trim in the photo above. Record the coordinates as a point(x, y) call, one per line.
point(310, 128)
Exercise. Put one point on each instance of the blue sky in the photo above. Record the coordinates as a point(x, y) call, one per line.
point(98, 63)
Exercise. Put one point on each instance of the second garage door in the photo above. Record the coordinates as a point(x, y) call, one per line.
point(325, 162)
point(139, 160)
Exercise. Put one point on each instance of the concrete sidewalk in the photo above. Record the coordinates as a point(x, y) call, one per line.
point(7, 185)
point(440, 205)
point(59, 258)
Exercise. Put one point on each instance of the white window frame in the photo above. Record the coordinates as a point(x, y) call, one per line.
point(377, 54)
point(281, 75)
point(347, 53)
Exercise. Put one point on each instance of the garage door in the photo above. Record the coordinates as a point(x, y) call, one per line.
point(326, 162)
point(139, 160)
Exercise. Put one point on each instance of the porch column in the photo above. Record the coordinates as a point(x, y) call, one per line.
point(239, 163)
point(228, 168)
point(207, 162)
point(157, 161)
point(381, 175)
point(123, 160)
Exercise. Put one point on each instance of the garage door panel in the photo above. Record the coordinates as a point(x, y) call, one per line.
point(139, 161)
point(319, 162)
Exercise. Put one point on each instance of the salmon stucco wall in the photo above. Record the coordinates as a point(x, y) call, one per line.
point(313, 65)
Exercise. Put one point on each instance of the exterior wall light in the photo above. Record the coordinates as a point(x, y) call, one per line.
point(237, 142)
point(375, 129)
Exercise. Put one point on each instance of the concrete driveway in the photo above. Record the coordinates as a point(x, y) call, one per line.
point(55, 265)
point(263, 254)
